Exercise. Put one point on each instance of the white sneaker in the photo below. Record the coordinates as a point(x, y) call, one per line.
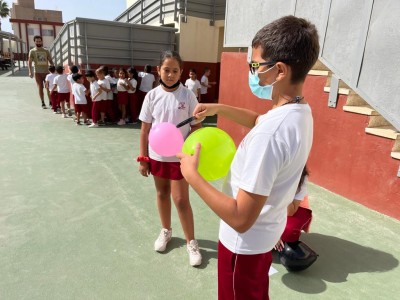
point(121, 122)
point(161, 243)
point(194, 253)
point(65, 116)
point(93, 125)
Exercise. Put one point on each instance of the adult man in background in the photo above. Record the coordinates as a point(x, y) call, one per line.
point(41, 58)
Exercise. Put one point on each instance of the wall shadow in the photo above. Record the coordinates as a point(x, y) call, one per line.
point(337, 259)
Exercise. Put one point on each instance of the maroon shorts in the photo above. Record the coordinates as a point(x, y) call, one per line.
point(166, 170)
point(63, 97)
point(296, 223)
point(122, 98)
point(243, 276)
point(81, 108)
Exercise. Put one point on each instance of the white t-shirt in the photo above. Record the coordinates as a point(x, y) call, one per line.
point(79, 93)
point(106, 84)
point(303, 192)
point(94, 89)
point(50, 78)
point(70, 79)
point(62, 83)
point(120, 87)
point(203, 89)
point(193, 85)
point(269, 161)
point(134, 85)
point(110, 95)
point(172, 107)
point(147, 81)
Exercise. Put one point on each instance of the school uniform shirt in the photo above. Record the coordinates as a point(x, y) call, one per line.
point(50, 78)
point(70, 79)
point(203, 89)
point(62, 83)
point(172, 107)
point(94, 88)
point(269, 162)
point(120, 87)
point(106, 84)
point(79, 93)
point(111, 81)
point(193, 85)
point(134, 85)
point(147, 81)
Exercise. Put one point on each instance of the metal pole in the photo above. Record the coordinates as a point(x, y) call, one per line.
point(11, 54)
point(19, 56)
point(75, 45)
point(86, 50)
point(68, 45)
point(23, 54)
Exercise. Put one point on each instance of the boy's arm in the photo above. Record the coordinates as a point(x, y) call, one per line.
point(241, 116)
point(240, 214)
point(30, 66)
point(54, 88)
point(46, 84)
point(104, 88)
point(98, 92)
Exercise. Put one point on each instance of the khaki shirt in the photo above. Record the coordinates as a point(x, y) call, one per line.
point(40, 57)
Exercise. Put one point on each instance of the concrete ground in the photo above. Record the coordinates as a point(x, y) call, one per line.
point(77, 221)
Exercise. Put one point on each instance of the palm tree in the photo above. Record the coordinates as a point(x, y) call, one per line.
point(4, 13)
point(4, 10)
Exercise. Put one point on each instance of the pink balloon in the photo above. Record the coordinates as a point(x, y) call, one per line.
point(165, 139)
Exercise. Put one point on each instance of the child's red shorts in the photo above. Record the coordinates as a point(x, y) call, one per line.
point(166, 170)
point(122, 98)
point(81, 108)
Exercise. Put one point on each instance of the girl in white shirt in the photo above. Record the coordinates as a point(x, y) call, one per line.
point(147, 82)
point(132, 94)
point(122, 96)
point(169, 102)
point(62, 86)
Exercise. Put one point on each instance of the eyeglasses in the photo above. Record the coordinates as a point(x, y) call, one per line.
point(255, 65)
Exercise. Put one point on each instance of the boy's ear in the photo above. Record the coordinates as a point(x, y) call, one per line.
point(283, 71)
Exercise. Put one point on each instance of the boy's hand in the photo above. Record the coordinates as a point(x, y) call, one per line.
point(203, 110)
point(189, 163)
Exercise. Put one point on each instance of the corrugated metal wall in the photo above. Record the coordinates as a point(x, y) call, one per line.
point(359, 39)
point(88, 41)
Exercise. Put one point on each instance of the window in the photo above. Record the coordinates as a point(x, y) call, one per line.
point(33, 31)
point(48, 32)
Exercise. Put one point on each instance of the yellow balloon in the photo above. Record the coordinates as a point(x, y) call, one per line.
point(216, 154)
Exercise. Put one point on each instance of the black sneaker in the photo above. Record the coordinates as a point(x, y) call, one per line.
point(44, 105)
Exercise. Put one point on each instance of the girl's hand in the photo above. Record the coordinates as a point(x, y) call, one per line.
point(144, 169)
point(189, 163)
point(279, 246)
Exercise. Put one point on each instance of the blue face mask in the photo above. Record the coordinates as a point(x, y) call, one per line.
point(262, 92)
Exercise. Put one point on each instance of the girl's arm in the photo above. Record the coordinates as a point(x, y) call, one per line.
point(241, 116)
point(143, 148)
point(293, 207)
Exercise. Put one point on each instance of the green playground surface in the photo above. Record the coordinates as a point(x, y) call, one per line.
point(77, 221)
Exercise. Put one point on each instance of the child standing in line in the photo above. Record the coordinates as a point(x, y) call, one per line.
point(109, 104)
point(193, 84)
point(205, 85)
point(97, 94)
point(61, 85)
point(74, 70)
point(169, 102)
point(132, 95)
point(122, 96)
point(268, 164)
point(79, 92)
point(49, 83)
point(147, 82)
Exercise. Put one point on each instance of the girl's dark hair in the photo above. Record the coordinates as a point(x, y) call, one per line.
point(291, 40)
point(302, 178)
point(171, 54)
point(90, 73)
point(147, 68)
point(192, 70)
point(134, 72)
point(74, 69)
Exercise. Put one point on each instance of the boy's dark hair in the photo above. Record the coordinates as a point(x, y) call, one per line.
point(192, 70)
point(60, 69)
point(76, 77)
point(52, 69)
point(37, 37)
point(206, 69)
point(105, 69)
point(90, 73)
point(171, 54)
point(74, 69)
point(291, 40)
point(147, 68)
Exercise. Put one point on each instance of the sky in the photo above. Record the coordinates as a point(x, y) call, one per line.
point(93, 9)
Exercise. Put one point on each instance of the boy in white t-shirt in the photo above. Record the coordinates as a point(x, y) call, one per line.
point(205, 84)
point(79, 92)
point(61, 85)
point(193, 84)
point(147, 83)
point(97, 103)
point(267, 166)
point(49, 86)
